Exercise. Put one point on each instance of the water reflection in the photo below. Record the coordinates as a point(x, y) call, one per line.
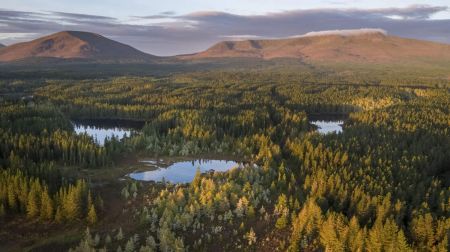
point(326, 127)
point(100, 130)
point(181, 172)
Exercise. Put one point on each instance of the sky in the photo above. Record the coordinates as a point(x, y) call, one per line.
point(170, 27)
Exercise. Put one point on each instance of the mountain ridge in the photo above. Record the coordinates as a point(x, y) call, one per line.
point(76, 45)
point(343, 46)
point(364, 47)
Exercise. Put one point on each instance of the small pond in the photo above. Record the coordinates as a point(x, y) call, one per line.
point(325, 127)
point(328, 124)
point(100, 130)
point(181, 172)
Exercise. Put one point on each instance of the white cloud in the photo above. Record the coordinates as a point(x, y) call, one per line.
point(347, 32)
point(242, 37)
point(8, 35)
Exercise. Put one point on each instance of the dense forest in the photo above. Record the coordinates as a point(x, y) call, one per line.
point(383, 184)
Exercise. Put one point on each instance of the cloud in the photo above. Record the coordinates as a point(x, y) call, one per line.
point(413, 11)
point(164, 14)
point(81, 16)
point(167, 33)
point(5, 36)
point(168, 13)
point(242, 37)
point(354, 32)
point(159, 16)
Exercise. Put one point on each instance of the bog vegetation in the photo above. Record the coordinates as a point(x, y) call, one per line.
point(381, 185)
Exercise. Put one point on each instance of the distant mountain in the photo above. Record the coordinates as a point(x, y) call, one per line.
point(347, 46)
point(2, 45)
point(73, 45)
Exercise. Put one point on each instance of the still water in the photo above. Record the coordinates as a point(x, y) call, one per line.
point(100, 130)
point(326, 127)
point(181, 172)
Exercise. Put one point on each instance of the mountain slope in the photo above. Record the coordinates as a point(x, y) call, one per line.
point(74, 45)
point(2, 45)
point(354, 47)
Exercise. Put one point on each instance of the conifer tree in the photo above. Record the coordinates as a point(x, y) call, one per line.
point(108, 239)
point(46, 206)
point(129, 247)
point(59, 217)
point(92, 215)
point(32, 204)
point(119, 235)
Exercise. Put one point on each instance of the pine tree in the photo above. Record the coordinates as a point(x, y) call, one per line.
point(72, 204)
point(282, 221)
point(422, 230)
point(125, 192)
point(166, 238)
point(32, 204)
point(250, 212)
point(197, 179)
point(88, 237)
point(90, 202)
point(133, 187)
point(401, 243)
point(150, 242)
point(356, 236)
point(96, 240)
point(119, 235)
point(331, 233)
point(108, 239)
point(59, 218)
point(251, 237)
point(12, 199)
point(46, 206)
point(92, 215)
point(179, 245)
point(129, 247)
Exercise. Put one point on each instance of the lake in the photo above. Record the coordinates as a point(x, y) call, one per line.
point(181, 172)
point(328, 123)
point(100, 130)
